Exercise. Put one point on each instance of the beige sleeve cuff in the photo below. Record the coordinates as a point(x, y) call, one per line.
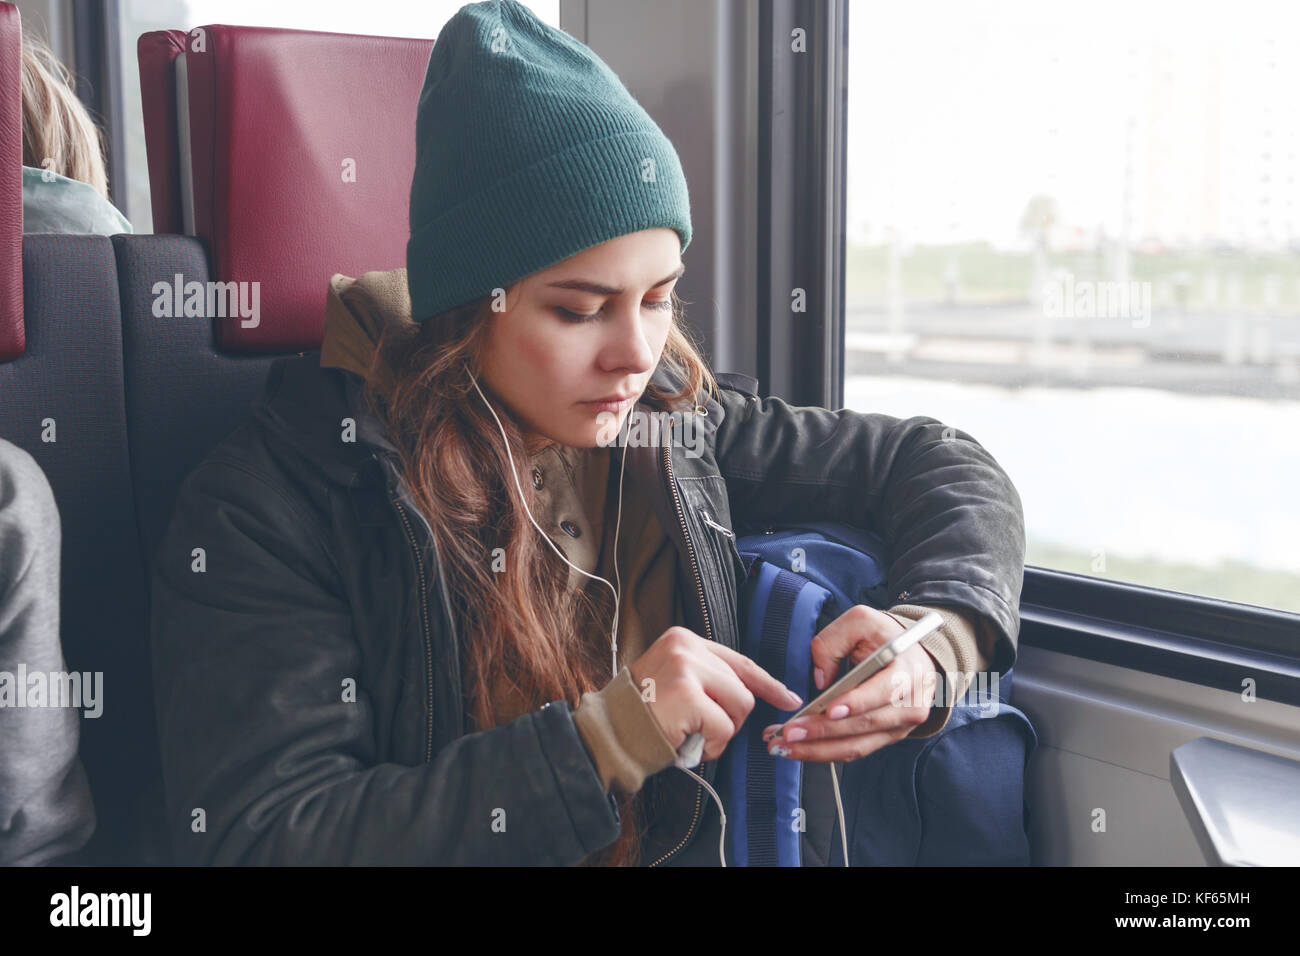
point(959, 651)
point(622, 734)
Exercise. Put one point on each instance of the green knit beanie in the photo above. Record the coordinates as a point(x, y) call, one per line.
point(529, 149)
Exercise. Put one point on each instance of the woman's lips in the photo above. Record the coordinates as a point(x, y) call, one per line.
point(607, 406)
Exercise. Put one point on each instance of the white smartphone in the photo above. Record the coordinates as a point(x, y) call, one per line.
point(879, 659)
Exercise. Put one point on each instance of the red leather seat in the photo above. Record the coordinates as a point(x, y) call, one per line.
point(303, 147)
point(12, 337)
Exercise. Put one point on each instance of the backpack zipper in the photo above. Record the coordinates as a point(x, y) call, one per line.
point(699, 585)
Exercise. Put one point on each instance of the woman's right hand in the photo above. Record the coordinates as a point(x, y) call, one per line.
point(701, 686)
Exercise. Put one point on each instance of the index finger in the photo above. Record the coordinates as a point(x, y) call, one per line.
point(759, 681)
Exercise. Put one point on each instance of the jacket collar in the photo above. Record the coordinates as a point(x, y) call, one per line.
point(314, 403)
point(307, 407)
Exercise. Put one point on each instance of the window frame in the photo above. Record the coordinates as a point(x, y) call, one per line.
point(801, 199)
point(97, 68)
point(1169, 633)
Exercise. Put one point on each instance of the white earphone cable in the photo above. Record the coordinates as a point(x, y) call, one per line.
point(617, 595)
point(547, 538)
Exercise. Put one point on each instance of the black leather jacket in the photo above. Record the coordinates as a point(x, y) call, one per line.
point(307, 663)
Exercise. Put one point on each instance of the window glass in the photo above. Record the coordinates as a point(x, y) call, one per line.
point(1074, 233)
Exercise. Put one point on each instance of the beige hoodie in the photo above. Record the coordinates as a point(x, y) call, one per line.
point(577, 488)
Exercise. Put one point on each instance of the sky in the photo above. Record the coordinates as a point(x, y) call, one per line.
point(961, 110)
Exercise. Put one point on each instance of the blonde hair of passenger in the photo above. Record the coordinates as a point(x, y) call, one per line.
point(56, 126)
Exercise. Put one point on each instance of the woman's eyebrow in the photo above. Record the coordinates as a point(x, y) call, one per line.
point(596, 289)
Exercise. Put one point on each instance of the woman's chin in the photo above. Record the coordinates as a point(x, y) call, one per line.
point(608, 426)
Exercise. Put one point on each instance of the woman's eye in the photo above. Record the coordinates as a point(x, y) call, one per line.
point(574, 316)
point(661, 305)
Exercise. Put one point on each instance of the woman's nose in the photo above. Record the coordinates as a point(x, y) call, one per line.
point(632, 346)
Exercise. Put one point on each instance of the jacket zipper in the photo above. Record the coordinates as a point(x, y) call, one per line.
point(708, 632)
point(708, 519)
point(424, 621)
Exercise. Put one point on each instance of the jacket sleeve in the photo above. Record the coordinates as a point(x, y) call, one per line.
point(621, 731)
point(46, 812)
point(268, 730)
point(960, 649)
point(950, 516)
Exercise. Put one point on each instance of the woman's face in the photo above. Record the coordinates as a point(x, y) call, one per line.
point(547, 364)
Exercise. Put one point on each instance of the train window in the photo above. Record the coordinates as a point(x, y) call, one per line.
point(1081, 245)
point(376, 18)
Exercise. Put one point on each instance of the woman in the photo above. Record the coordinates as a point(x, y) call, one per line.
point(65, 185)
point(370, 643)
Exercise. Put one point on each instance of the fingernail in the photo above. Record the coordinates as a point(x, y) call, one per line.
point(770, 733)
point(819, 679)
point(780, 752)
point(838, 712)
point(795, 734)
point(794, 698)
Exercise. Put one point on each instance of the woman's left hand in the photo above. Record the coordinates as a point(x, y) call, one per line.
point(883, 709)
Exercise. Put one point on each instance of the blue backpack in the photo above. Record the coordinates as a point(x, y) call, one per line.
point(956, 798)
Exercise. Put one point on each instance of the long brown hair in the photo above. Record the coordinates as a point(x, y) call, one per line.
point(525, 626)
point(56, 125)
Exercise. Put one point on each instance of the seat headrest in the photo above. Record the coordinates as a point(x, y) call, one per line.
point(156, 53)
point(299, 158)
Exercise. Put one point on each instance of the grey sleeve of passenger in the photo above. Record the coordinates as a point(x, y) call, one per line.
point(46, 810)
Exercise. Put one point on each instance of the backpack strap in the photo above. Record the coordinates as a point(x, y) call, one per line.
point(762, 791)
